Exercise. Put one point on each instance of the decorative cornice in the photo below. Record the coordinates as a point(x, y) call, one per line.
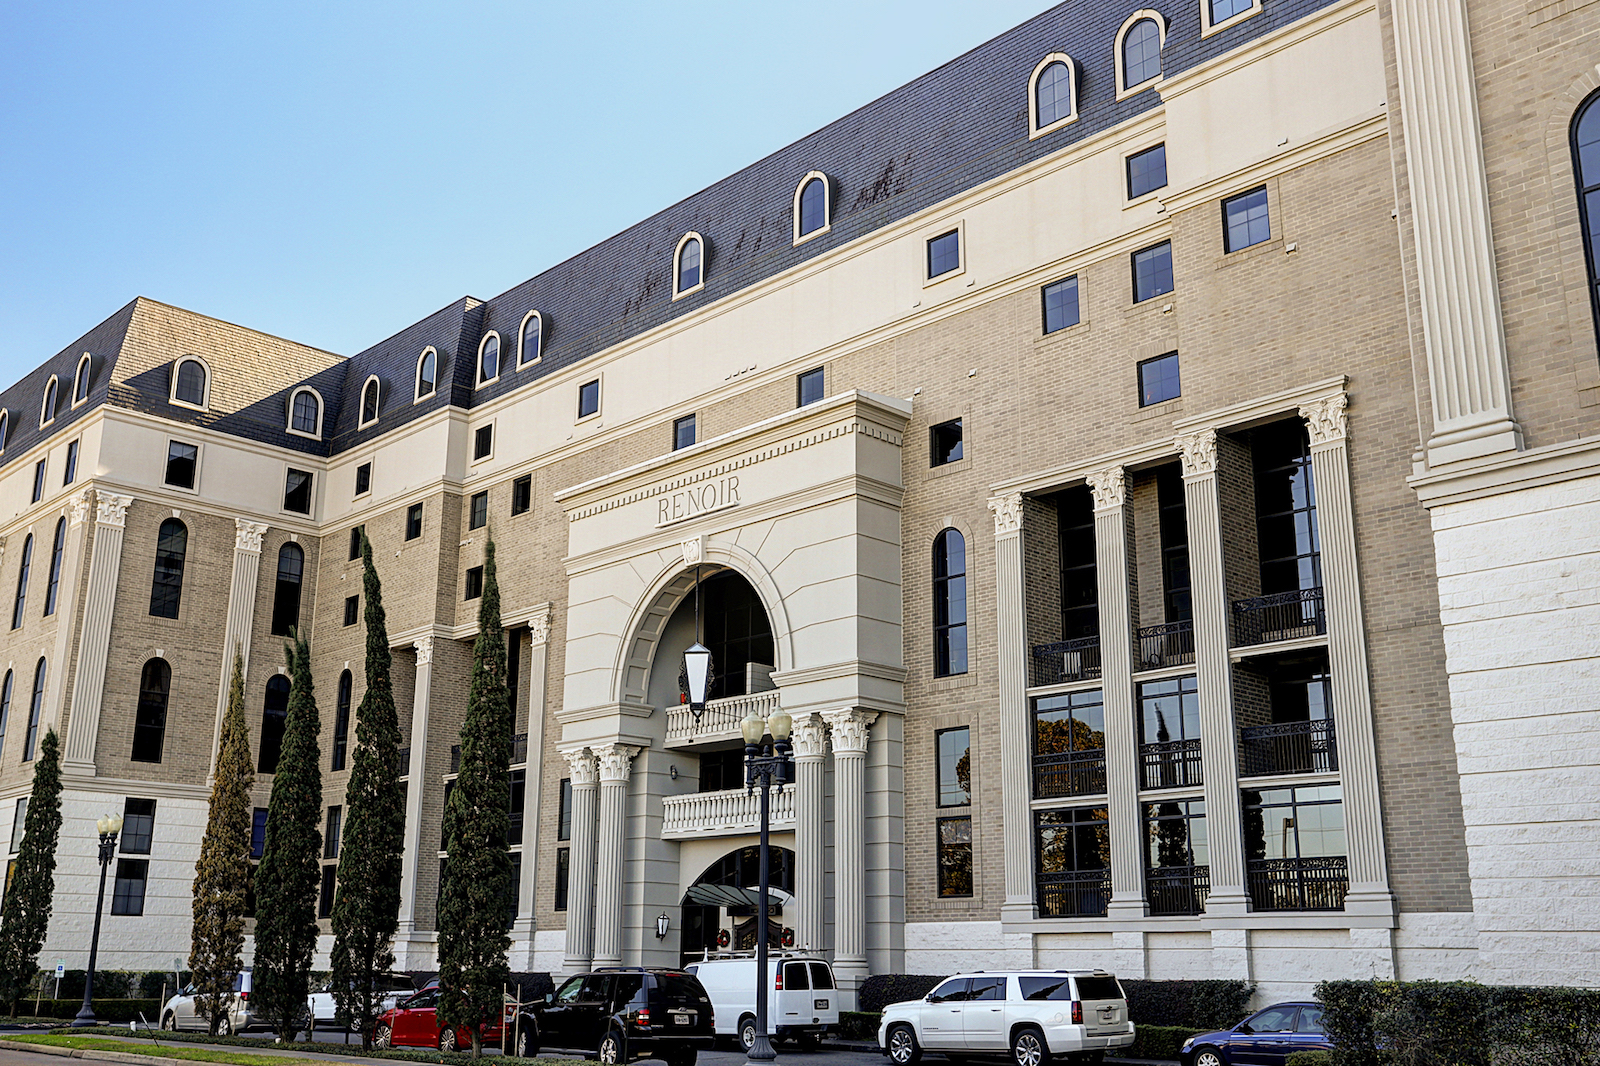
point(78, 507)
point(581, 768)
point(1007, 513)
point(112, 509)
point(1199, 451)
point(849, 730)
point(615, 761)
point(1110, 488)
point(1325, 419)
point(539, 627)
point(424, 646)
point(810, 736)
point(247, 537)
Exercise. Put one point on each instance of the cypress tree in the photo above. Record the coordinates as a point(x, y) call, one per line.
point(288, 879)
point(473, 911)
point(25, 916)
point(366, 909)
point(222, 876)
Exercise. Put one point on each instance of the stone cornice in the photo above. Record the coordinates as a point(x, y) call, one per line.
point(1548, 465)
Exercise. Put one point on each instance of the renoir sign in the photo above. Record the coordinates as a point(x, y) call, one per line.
point(701, 499)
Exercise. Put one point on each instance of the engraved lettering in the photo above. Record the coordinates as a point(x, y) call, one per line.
point(702, 499)
point(662, 513)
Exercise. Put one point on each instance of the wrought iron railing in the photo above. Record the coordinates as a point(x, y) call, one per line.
point(1069, 773)
point(1170, 764)
point(1166, 645)
point(1288, 748)
point(1066, 661)
point(1074, 894)
point(1281, 616)
point(1316, 884)
point(1177, 889)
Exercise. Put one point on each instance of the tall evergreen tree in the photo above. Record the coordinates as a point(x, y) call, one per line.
point(288, 878)
point(366, 909)
point(25, 916)
point(473, 925)
point(222, 876)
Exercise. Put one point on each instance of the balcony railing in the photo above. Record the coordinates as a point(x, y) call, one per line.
point(1282, 616)
point(1166, 645)
point(1066, 661)
point(720, 720)
point(1288, 748)
point(726, 813)
point(1317, 884)
point(1069, 773)
point(1074, 894)
point(1170, 764)
point(1177, 889)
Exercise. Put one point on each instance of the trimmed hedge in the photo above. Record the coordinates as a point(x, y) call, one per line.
point(1198, 1005)
point(1156, 1042)
point(880, 990)
point(107, 1010)
point(858, 1025)
point(1307, 1058)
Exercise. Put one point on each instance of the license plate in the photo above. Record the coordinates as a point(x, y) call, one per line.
point(681, 1019)
point(819, 1004)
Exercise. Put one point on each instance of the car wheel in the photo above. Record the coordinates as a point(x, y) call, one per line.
point(169, 1022)
point(611, 1052)
point(447, 1039)
point(747, 1033)
point(225, 1027)
point(1209, 1056)
point(1029, 1049)
point(383, 1037)
point(527, 1046)
point(303, 1023)
point(903, 1048)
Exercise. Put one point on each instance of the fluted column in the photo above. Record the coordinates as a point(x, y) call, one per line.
point(94, 645)
point(416, 771)
point(1347, 658)
point(240, 624)
point(1459, 292)
point(850, 731)
point(1219, 758)
point(1110, 488)
point(1016, 752)
point(67, 603)
point(538, 669)
point(810, 738)
point(616, 760)
point(584, 775)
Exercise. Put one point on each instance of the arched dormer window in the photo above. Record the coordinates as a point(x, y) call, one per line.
point(47, 409)
point(811, 206)
point(5, 428)
point(369, 401)
point(191, 383)
point(1586, 171)
point(1052, 96)
point(530, 340)
point(489, 359)
point(427, 374)
point(80, 379)
point(1138, 51)
point(150, 720)
point(949, 603)
point(305, 413)
point(688, 265)
point(166, 587)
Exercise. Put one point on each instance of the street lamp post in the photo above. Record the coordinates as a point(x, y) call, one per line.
point(765, 766)
point(109, 826)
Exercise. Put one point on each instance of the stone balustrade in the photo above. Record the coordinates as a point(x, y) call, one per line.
point(727, 813)
point(720, 720)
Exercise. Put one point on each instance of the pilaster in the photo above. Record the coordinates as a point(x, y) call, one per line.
point(849, 731)
point(1016, 756)
point(416, 772)
point(616, 760)
point(810, 740)
point(584, 774)
point(94, 646)
point(240, 624)
point(67, 604)
point(538, 678)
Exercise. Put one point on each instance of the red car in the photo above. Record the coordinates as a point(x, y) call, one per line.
point(415, 1023)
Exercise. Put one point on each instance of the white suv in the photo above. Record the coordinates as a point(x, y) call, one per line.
point(1031, 1016)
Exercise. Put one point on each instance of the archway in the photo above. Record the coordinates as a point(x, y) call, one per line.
point(725, 898)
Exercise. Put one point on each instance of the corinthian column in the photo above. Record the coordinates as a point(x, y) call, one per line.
point(616, 760)
point(67, 602)
point(240, 625)
point(583, 773)
point(1016, 754)
point(810, 738)
point(850, 731)
point(94, 645)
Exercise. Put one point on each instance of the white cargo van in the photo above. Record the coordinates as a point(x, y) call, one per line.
point(803, 1003)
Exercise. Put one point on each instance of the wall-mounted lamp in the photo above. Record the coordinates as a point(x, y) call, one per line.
point(672, 771)
point(662, 923)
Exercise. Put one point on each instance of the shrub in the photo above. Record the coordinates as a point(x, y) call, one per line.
point(880, 990)
point(107, 1010)
point(859, 1025)
point(1157, 1041)
point(1202, 1005)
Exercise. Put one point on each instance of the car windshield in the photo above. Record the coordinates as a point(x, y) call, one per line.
point(1098, 988)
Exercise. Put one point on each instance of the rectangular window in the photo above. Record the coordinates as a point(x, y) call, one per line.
point(363, 479)
point(71, 473)
point(522, 494)
point(352, 609)
point(519, 801)
point(325, 896)
point(181, 462)
point(1072, 852)
point(683, 432)
point(138, 825)
point(297, 491)
point(258, 832)
point(1069, 741)
point(355, 542)
point(1177, 863)
point(1060, 304)
point(1158, 379)
point(474, 583)
point(478, 516)
point(330, 834)
point(483, 442)
point(18, 824)
point(1222, 10)
point(1152, 272)
point(944, 443)
point(1169, 733)
point(1245, 221)
point(944, 253)
point(955, 857)
point(808, 387)
point(38, 481)
point(588, 399)
point(563, 808)
point(563, 870)
point(955, 767)
point(128, 896)
point(1294, 848)
point(414, 521)
point(514, 888)
point(1147, 171)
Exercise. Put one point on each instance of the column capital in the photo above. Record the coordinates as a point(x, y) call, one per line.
point(616, 760)
point(1007, 513)
point(539, 627)
point(1325, 419)
point(581, 768)
point(112, 509)
point(247, 535)
point(1199, 452)
point(78, 507)
point(810, 736)
point(1110, 488)
point(850, 729)
point(424, 646)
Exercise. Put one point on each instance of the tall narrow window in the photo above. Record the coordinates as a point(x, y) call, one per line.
point(1141, 53)
point(687, 271)
point(1586, 166)
point(363, 479)
point(70, 474)
point(355, 542)
point(955, 857)
point(474, 583)
point(341, 721)
point(166, 588)
point(5, 427)
point(1177, 860)
point(813, 206)
point(57, 549)
point(22, 582)
point(5, 708)
point(330, 834)
point(489, 359)
point(369, 402)
point(286, 596)
point(35, 706)
point(478, 513)
point(150, 719)
point(38, 480)
point(521, 495)
point(414, 521)
point(305, 413)
point(80, 380)
point(330, 874)
point(274, 716)
point(352, 609)
point(955, 767)
point(483, 442)
point(1052, 95)
point(127, 895)
point(427, 373)
point(564, 810)
point(138, 826)
point(190, 388)
point(949, 604)
point(529, 346)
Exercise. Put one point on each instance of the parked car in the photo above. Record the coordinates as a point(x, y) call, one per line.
point(802, 1002)
point(1266, 1038)
point(628, 1013)
point(1028, 1015)
point(414, 1022)
point(390, 988)
point(179, 1012)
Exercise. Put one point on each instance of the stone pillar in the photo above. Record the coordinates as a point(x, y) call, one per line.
point(1219, 756)
point(67, 604)
point(1347, 659)
point(94, 643)
point(416, 770)
point(1016, 749)
point(615, 762)
point(1110, 488)
point(584, 775)
point(810, 833)
point(850, 731)
point(240, 624)
point(538, 669)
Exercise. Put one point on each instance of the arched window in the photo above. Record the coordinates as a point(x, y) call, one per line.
point(35, 706)
point(530, 346)
point(305, 413)
point(811, 206)
point(22, 582)
point(427, 373)
point(190, 383)
point(1052, 94)
point(150, 720)
point(47, 410)
point(274, 716)
point(1586, 166)
point(286, 597)
point(369, 401)
point(166, 588)
point(341, 721)
point(80, 379)
point(949, 604)
point(1141, 53)
point(5, 710)
point(688, 272)
point(57, 549)
point(489, 359)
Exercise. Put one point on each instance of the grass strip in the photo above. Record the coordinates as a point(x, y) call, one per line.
point(310, 1050)
point(94, 1043)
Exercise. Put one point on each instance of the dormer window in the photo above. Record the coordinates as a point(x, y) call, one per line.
point(369, 402)
point(688, 265)
point(80, 380)
point(5, 428)
point(191, 383)
point(531, 340)
point(1139, 52)
point(489, 359)
point(305, 413)
point(427, 374)
point(47, 410)
point(811, 215)
point(1051, 98)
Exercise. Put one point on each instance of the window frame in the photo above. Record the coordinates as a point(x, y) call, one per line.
point(19, 604)
point(205, 384)
point(322, 409)
point(278, 586)
point(1133, 272)
point(800, 386)
point(182, 559)
point(518, 484)
point(678, 424)
point(1044, 305)
point(166, 706)
point(5, 427)
point(1123, 89)
point(415, 510)
point(417, 395)
point(599, 399)
point(359, 491)
point(1207, 27)
point(81, 380)
point(1140, 367)
point(477, 435)
point(1127, 173)
point(940, 586)
point(473, 515)
point(959, 228)
point(69, 469)
point(30, 741)
point(124, 902)
point(472, 583)
point(362, 421)
point(942, 890)
point(677, 266)
point(343, 701)
point(311, 493)
point(52, 587)
point(40, 474)
point(499, 360)
point(827, 206)
point(1227, 230)
point(522, 339)
point(1034, 129)
point(934, 462)
point(938, 768)
point(199, 453)
point(49, 401)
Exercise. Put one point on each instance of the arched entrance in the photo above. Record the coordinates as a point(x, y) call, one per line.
point(725, 898)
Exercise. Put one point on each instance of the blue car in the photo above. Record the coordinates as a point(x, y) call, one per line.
point(1265, 1038)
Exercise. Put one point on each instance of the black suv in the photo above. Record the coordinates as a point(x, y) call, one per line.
point(628, 1013)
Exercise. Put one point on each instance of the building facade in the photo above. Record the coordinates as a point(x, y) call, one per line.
point(1148, 457)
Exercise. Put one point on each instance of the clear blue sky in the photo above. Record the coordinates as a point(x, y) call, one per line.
point(331, 172)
